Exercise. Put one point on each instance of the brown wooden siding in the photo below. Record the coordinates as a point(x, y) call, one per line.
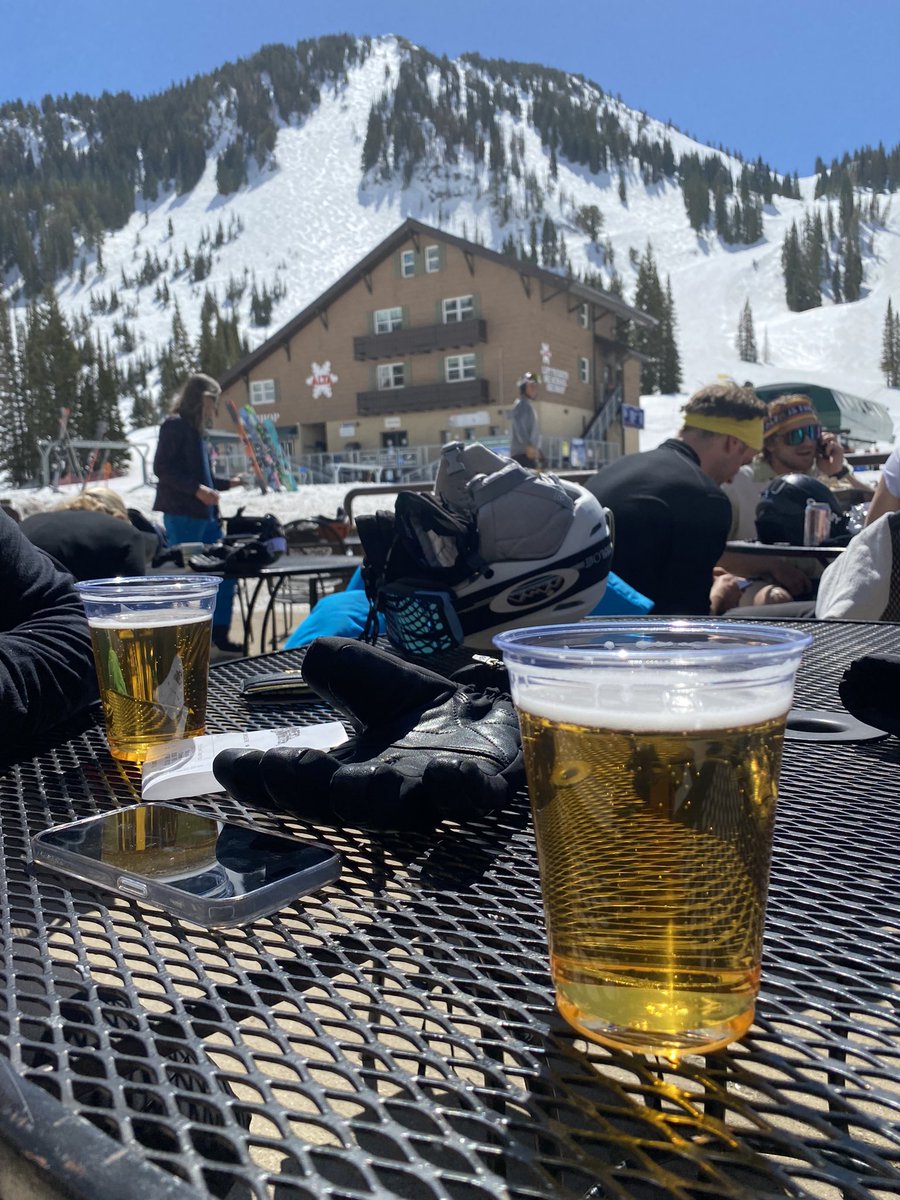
point(420, 340)
point(423, 398)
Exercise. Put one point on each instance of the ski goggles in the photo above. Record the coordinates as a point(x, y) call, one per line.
point(796, 437)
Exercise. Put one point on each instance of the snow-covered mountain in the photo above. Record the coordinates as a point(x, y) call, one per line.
point(310, 213)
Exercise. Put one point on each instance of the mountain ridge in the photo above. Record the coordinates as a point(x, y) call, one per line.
point(307, 213)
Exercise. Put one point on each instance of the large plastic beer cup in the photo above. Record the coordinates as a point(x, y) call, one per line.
point(652, 752)
point(151, 638)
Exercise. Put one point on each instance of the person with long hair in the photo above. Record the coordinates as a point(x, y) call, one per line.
point(187, 491)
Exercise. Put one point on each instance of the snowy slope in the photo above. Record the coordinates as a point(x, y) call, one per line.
point(310, 218)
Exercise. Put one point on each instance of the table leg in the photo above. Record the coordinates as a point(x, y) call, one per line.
point(248, 618)
point(274, 586)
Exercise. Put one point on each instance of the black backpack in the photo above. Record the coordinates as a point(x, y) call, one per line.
point(250, 543)
point(413, 556)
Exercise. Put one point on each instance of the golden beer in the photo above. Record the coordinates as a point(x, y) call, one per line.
point(153, 670)
point(654, 852)
point(652, 752)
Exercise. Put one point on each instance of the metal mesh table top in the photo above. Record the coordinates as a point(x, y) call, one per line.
point(394, 1034)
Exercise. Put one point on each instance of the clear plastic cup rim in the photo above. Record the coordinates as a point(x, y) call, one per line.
point(652, 642)
point(157, 588)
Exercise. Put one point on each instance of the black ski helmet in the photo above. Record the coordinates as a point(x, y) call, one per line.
point(782, 508)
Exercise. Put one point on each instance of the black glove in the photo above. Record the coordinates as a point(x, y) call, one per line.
point(426, 748)
point(870, 691)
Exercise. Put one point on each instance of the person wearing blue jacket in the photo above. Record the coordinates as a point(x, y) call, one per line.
point(187, 492)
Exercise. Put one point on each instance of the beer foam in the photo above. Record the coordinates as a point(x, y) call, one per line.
point(151, 618)
point(670, 702)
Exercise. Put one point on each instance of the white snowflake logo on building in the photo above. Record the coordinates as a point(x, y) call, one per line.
point(546, 354)
point(321, 380)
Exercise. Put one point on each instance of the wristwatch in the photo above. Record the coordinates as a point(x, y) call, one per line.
point(843, 472)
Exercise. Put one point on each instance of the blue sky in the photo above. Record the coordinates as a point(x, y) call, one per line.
point(787, 79)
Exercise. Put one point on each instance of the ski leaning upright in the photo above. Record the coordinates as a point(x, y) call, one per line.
point(263, 449)
point(249, 448)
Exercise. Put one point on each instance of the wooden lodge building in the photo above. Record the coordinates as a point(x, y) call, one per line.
point(423, 342)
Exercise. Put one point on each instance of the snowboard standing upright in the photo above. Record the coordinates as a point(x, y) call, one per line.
point(286, 471)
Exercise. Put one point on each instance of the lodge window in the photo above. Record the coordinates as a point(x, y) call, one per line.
point(390, 375)
point(388, 319)
point(584, 370)
point(458, 367)
point(263, 391)
point(407, 263)
point(584, 316)
point(432, 259)
point(457, 308)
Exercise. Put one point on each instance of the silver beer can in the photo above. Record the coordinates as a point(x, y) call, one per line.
point(816, 523)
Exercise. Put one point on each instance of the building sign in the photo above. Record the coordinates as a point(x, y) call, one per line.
point(321, 380)
point(632, 416)
point(392, 423)
point(465, 420)
point(347, 430)
point(555, 380)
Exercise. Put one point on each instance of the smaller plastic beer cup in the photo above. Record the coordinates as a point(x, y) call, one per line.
point(151, 637)
point(652, 753)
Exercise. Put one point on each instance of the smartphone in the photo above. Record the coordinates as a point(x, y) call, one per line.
point(208, 871)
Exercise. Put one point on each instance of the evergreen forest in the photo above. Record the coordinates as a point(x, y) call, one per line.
point(75, 169)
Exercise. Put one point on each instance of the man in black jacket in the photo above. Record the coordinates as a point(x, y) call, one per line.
point(46, 663)
point(671, 516)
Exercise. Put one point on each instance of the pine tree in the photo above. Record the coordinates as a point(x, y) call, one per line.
point(648, 296)
point(373, 147)
point(51, 369)
point(14, 437)
point(662, 371)
point(890, 348)
point(746, 338)
point(837, 293)
point(670, 362)
point(177, 360)
point(623, 327)
point(853, 268)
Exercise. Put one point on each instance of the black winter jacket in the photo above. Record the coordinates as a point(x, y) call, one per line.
point(671, 522)
point(89, 545)
point(178, 466)
point(46, 663)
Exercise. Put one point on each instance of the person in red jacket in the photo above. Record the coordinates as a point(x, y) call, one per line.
point(187, 492)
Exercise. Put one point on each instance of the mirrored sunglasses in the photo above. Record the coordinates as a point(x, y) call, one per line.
point(794, 437)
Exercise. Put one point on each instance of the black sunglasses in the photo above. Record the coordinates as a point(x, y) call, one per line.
point(795, 437)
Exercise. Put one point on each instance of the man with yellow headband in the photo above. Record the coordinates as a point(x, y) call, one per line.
point(671, 516)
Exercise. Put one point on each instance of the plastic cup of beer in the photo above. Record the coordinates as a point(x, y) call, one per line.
point(652, 754)
point(151, 637)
